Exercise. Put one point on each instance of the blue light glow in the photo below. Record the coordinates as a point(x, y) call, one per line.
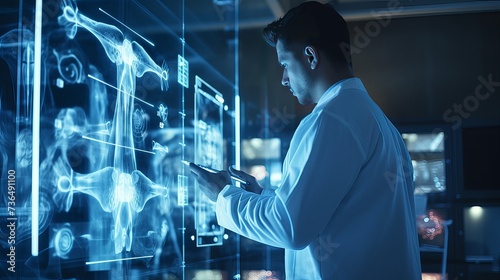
point(36, 129)
point(109, 85)
point(118, 260)
point(142, 37)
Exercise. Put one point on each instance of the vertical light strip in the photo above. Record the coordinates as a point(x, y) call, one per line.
point(237, 109)
point(183, 148)
point(20, 49)
point(237, 118)
point(237, 132)
point(36, 128)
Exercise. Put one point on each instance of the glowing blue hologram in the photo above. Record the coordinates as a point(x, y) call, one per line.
point(145, 190)
point(100, 128)
point(162, 113)
point(23, 151)
point(119, 50)
point(102, 164)
point(123, 218)
point(16, 135)
point(209, 152)
point(116, 145)
point(117, 260)
point(118, 187)
point(99, 95)
point(11, 43)
point(139, 124)
point(119, 193)
point(36, 128)
point(163, 235)
point(158, 147)
point(182, 190)
point(63, 241)
point(70, 68)
point(219, 98)
point(24, 218)
point(134, 189)
point(67, 242)
point(142, 37)
point(60, 83)
point(183, 71)
point(70, 121)
point(109, 85)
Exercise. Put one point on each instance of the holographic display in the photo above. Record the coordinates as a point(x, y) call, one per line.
point(88, 148)
point(112, 178)
point(100, 190)
point(209, 141)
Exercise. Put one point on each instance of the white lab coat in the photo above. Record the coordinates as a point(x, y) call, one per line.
point(344, 208)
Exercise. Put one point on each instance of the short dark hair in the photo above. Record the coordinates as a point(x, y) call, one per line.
point(312, 23)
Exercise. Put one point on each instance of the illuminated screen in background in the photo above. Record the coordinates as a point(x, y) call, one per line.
point(114, 199)
point(428, 160)
point(209, 152)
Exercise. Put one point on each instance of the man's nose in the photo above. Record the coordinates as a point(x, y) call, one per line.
point(284, 79)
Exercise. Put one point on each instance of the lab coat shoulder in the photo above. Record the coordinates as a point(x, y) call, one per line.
point(365, 119)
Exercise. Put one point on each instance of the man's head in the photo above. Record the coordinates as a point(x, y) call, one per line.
point(312, 23)
point(307, 36)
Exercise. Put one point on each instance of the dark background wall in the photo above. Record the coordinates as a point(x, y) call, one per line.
point(418, 69)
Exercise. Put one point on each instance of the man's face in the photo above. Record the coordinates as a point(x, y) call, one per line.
point(296, 74)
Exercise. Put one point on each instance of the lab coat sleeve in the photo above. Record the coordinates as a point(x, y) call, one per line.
point(259, 217)
point(320, 172)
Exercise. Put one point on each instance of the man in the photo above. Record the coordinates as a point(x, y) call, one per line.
point(344, 208)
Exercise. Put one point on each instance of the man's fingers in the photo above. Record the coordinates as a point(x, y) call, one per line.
point(239, 173)
point(221, 177)
point(243, 175)
point(252, 186)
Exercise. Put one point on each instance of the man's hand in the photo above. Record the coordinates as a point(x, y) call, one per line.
point(211, 183)
point(252, 185)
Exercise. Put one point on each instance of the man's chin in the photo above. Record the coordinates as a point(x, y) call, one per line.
point(305, 101)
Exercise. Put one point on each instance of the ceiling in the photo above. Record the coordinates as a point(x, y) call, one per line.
point(257, 13)
point(207, 14)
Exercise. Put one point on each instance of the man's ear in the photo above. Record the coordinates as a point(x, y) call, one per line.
point(312, 56)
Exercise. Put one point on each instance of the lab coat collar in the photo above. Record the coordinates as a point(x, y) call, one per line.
point(333, 91)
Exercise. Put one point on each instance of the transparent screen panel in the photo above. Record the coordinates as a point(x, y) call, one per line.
point(209, 153)
point(95, 121)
